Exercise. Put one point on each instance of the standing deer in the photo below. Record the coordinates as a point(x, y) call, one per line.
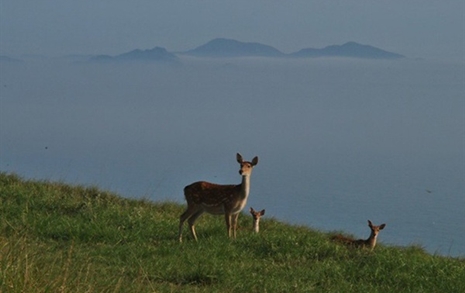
point(227, 200)
point(370, 242)
point(256, 218)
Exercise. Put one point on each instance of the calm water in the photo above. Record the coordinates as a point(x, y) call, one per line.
point(339, 141)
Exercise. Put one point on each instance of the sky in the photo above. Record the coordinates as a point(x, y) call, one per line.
point(431, 29)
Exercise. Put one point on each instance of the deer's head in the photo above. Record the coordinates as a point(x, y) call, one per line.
point(246, 167)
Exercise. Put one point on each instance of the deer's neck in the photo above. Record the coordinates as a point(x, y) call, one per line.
point(256, 225)
point(245, 186)
point(371, 241)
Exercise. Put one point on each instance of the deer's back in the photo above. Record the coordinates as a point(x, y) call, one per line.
point(342, 239)
point(349, 241)
point(209, 193)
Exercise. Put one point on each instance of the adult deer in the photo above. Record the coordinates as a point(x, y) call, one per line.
point(370, 242)
point(256, 218)
point(227, 200)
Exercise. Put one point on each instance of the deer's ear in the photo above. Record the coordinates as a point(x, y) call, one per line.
point(262, 212)
point(370, 224)
point(251, 210)
point(254, 161)
point(239, 158)
point(381, 227)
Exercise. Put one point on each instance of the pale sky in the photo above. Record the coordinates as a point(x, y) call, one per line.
point(432, 29)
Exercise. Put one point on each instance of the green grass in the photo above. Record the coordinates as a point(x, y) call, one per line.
point(60, 238)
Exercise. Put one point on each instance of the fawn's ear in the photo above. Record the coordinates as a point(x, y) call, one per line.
point(381, 227)
point(239, 158)
point(251, 210)
point(254, 161)
point(262, 212)
point(370, 224)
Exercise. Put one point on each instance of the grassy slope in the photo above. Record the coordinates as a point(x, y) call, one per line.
point(60, 238)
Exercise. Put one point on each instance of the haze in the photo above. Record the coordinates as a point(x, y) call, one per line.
point(340, 141)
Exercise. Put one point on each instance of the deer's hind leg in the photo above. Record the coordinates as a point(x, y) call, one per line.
point(190, 211)
point(191, 222)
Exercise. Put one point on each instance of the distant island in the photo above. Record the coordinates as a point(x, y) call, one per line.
point(350, 49)
point(155, 54)
point(221, 47)
point(229, 48)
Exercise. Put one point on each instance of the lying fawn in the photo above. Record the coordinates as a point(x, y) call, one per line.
point(227, 200)
point(256, 218)
point(370, 242)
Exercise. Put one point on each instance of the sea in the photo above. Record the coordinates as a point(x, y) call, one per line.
point(340, 141)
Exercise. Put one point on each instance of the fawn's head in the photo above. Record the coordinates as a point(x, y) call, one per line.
point(246, 167)
point(256, 215)
point(375, 229)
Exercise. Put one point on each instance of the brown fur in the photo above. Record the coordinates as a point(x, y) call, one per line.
point(369, 242)
point(216, 199)
point(207, 193)
point(256, 218)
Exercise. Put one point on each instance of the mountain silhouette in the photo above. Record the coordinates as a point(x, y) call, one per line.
point(350, 49)
point(221, 47)
point(155, 54)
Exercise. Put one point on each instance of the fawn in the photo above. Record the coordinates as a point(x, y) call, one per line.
point(256, 218)
point(370, 242)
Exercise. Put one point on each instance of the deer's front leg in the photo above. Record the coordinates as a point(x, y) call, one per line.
point(227, 217)
point(234, 224)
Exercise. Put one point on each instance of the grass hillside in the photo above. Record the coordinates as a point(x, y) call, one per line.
point(60, 238)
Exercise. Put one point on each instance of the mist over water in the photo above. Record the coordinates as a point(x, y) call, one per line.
point(339, 141)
